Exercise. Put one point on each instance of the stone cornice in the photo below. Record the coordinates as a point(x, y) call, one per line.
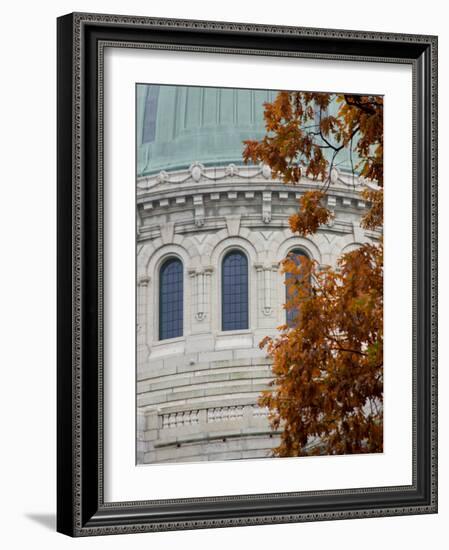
point(208, 179)
point(233, 192)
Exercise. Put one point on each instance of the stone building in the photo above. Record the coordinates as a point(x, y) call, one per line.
point(210, 234)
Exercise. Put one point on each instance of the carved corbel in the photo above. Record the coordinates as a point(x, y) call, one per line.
point(199, 211)
point(144, 280)
point(266, 206)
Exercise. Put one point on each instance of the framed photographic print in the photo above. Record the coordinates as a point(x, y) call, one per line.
point(246, 274)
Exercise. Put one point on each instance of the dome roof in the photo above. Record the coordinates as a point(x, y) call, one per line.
point(178, 125)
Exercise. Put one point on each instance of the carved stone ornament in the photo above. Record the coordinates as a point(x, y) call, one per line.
point(162, 177)
point(266, 171)
point(196, 171)
point(232, 170)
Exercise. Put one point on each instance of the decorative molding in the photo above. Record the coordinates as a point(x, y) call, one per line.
point(178, 419)
point(201, 194)
point(221, 414)
point(259, 411)
point(225, 413)
point(197, 173)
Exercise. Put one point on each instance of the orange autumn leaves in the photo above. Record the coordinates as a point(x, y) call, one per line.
point(300, 127)
point(327, 392)
point(311, 214)
point(328, 371)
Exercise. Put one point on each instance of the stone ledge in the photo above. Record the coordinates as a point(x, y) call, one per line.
point(208, 438)
point(186, 380)
point(161, 396)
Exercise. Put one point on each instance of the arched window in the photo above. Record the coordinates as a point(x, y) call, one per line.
point(234, 291)
point(292, 313)
point(171, 303)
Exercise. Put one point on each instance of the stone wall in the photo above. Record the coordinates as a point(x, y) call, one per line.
point(197, 394)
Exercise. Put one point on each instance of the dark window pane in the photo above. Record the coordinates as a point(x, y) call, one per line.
point(234, 291)
point(292, 313)
point(171, 303)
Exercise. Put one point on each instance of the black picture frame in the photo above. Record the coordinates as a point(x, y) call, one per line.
point(81, 509)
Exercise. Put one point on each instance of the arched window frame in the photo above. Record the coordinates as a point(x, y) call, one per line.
point(241, 323)
point(290, 314)
point(173, 327)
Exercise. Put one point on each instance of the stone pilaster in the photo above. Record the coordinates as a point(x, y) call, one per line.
point(201, 298)
point(141, 314)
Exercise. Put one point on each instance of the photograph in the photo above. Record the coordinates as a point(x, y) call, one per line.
point(259, 273)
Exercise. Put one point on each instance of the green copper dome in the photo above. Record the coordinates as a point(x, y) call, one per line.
point(178, 125)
